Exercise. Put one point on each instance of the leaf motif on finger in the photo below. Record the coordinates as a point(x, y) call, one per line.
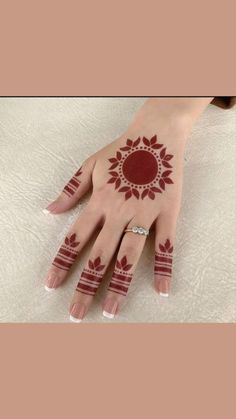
point(127, 267)
point(97, 262)
point(91, 265)
point(145, 193)
point(118, 264)
point(162, 248)
point(128, 195)
point(123, 261)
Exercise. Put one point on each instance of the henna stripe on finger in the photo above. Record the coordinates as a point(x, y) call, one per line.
point(90, 278)
point(121, 279)
point(67, 254)
point(163, 261)
point(73, 185)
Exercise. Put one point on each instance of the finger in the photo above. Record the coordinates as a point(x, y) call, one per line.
point(95, 268)
point(127, 259)
point(77, 237)
point(164, 247)
point(74, 190)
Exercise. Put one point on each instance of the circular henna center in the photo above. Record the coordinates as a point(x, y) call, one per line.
point(140, 167)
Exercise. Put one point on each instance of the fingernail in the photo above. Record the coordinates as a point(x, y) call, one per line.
point(162, 294)
point(46, 211)
point(110, 308)
point(162, 286)
point(74, 319)
point(49, 289)
point(77, 312)
point(52, 282)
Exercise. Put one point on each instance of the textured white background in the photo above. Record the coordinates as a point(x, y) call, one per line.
point(42, 142)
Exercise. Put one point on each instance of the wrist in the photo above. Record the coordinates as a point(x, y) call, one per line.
point(172, 117)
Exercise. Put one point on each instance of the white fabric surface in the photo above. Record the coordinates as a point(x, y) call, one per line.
point(42, 142)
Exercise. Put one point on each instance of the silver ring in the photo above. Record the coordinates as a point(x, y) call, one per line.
point(137, 230)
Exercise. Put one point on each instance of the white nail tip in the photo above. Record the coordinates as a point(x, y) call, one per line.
point(162, 294)
point(46, 212)
point(49, 289)
point(74, 319)
point(108, 315)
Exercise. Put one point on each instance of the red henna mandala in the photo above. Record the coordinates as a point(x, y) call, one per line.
point(139, 168)
point(91, 277)
point(121, 279)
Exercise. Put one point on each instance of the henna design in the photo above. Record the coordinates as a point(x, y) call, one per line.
point(67, 254)
point(121, 280)
point(163, 260)
point(139, 168)
point(91, 278)
point(73, 184)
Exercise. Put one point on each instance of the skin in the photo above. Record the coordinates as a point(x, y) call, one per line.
point(171, 120)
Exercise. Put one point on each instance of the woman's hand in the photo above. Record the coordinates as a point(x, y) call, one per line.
point(137, 182)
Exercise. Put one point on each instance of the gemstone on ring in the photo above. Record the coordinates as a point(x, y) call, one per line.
point(140, 230)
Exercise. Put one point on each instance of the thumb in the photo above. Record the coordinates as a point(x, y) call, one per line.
point(74, 190)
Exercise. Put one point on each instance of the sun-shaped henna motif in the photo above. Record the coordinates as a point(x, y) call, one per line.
point(139, 168)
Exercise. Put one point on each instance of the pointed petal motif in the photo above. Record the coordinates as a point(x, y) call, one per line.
point(136, 143)
point(113, 160)
point(118, 155)
point(168, 180)
point(168, 157)
point(125, 148)
point(114, 174)
point(67, 241)
point(112, 180)
point(91, 265)
point(124, 189)
point(135, 192)
point(74, 244)
point(146, 141)
point(128, 195)
point(162, 249)
point(118, 265)
point(129, 143)
point(154, 189)
point(123, 261)
point(166, 164)
point(162, 153)
point(118, 182)
point(151, 195)
point(127, 267)
point(170, 250)
point(167, 244)
point(145, 193)
point(97, 262)
point(162, 184)
point(156, 146)
point(72, 238)
point(113, 166)
point(166, 173)
point(100, 268)
point(79, 172)
point(153, 140)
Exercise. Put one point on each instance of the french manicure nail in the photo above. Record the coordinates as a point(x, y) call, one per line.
point(49, 289)
point(77, 312)
point(46, 211)
point(110, 309)
point(52, 282)
point(162, 294)
point(74, 319)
